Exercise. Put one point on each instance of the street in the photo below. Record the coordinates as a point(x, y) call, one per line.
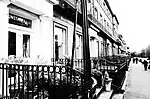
point(138, 85)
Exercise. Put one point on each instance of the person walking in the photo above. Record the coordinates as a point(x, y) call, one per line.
point(136, 60)
point(149, 65)
point(145, 63)
point(133, 60)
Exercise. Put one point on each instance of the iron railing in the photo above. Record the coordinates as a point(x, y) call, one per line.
point(24, 81)
point(39, 82)
point(115, 66)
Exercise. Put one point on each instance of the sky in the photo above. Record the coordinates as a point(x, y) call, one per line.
point(134, 22)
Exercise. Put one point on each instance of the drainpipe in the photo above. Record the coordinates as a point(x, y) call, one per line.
point(112, 49)
point(113, 34)
point(74, 39)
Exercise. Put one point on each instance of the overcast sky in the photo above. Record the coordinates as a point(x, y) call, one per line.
point(134, 21)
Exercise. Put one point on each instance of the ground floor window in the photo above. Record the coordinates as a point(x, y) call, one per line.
point(18, 44)
point(98, 47)
point(108, 49)
point(104, 48)
point(78, 50)
point(11, 43)
point(26, 45)
point(94, 47)
point(60, 40)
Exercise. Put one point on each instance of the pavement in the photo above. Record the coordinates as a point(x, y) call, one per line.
point(138, 83)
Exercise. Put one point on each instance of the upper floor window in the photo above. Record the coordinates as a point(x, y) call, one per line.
point(78, 40)
point(101, 18)
point(110, 28)
point(104, 7)
point(95, 13)
point(110, 17)
point(100, 15)
point(107, 26)
point(107, 11)
point(89, 7)
point(104, 23)
point(103, 3)
point(101, 21)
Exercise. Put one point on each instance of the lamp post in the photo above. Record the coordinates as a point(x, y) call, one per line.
point(86, 51)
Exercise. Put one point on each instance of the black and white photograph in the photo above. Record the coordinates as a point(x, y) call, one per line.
point(74, 49)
